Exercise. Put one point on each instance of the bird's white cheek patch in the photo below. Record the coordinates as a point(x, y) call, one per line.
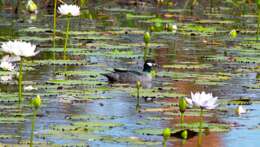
point(150, 64)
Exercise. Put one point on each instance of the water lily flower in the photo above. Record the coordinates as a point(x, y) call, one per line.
point(240, 110)
point(6, 78)
point(66, 9)
point(7, 65)
point(29, 88)
point(202, 100)
point(20, 48)
point(8, 58)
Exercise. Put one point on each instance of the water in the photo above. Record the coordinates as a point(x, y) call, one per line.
point(113, 29)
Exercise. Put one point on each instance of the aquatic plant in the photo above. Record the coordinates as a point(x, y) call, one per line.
point(240, 110)
point(68, 10)
point(258, 19)
point(171, 27)
point(147, 39)
point(184, 134)
point(166, 135)
point(203, 101)
point(31, 6)
point(6, 63)
point(54, 25)
point(21, 49)
point(233, 34)
point(36, 103)
point(182, 108)
point(138, 86)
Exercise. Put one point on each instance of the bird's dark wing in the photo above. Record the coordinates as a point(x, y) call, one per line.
point(120, 70)
point(128, 71)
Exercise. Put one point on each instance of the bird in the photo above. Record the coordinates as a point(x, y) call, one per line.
point(131, 76)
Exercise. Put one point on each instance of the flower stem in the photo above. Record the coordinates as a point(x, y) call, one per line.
point(20, 84)
point(200, 128)
point(145, 51)
point(66, 39)
point(138, 99)
point(182, 119)
point(164, 142)
point(33, 124)
point(54, 25)
point(258, 24)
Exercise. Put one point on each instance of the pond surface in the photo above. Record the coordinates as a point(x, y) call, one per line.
point(80, 107)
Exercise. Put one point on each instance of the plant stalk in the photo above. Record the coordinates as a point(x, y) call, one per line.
point(66, 38)
point(258, 24)
point(138, 99)
point(33, 124)
point(200, 128)
point(182, 119)
point(164, 142)
point(54, 25)
point(20, 81)
point(145, 51)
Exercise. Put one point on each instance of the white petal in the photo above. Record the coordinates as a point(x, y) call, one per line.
point(189, 101)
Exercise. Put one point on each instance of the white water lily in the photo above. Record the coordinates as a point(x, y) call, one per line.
point(240, 110)
point(202, 100)
point(8, 58)
point(6, 78)
point(7, 66)
point(20, 48)
point(174, 26)
point(66, 9)
point(29, 88)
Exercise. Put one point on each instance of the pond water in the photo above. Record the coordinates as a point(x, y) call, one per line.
point(80, 107)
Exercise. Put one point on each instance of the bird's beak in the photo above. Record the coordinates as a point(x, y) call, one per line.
point(155, 65)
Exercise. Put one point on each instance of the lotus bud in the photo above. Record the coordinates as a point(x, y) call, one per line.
point(233, 33)
point(184, 134)
point(182, 105)
point(147, 37)
point(36, 102)
point(166, 133)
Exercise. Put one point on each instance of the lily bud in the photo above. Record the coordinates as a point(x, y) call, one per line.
point(233, 34)
point(147, 37)
point(166, 133)
point(184, 134)
point(258, 3)
point(182, 105)
point(138, 84)
point(31, 6)
point(36, 102)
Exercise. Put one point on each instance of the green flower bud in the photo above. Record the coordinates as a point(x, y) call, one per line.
point(31, 6)
point(184, 134)
point(233, 33)
point(36, 102)
point(138, 84)
point(166, 133)
point(182, 105)
point(258, 3)
point(147, 37)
